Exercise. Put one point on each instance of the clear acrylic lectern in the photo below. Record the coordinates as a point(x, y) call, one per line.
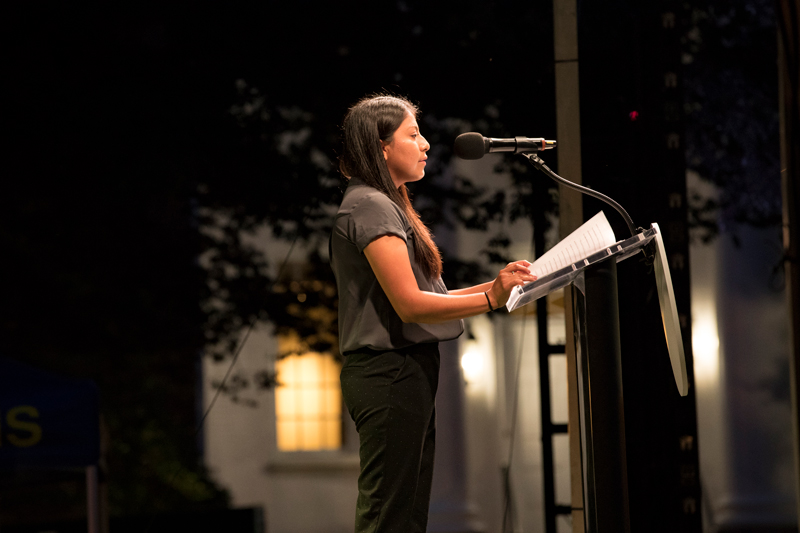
point(601, 425)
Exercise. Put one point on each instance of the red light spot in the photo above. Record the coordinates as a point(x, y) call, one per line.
point(633, 115)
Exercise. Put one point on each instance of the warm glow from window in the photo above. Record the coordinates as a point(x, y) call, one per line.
point(308, 403)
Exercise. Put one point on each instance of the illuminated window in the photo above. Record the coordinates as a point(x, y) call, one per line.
point(308, 403)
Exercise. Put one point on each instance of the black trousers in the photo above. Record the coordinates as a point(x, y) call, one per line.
point(390, 396)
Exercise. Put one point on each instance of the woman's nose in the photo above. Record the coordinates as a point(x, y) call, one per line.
point(425, 146)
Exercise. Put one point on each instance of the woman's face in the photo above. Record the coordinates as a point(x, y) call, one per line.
point(405, 154)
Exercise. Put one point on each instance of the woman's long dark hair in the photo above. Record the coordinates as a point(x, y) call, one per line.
point(372, 120)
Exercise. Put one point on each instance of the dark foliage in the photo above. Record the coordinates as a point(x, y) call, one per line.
point(152, 148)
point(732, 111)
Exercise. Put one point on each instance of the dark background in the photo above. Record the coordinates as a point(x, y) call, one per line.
point(130, 126)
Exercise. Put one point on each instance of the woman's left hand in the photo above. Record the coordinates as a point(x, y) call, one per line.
point(516, 273)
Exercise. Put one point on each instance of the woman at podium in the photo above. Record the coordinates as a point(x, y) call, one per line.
point(394, 309)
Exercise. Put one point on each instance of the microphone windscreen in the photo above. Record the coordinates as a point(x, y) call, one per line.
point(469, 146)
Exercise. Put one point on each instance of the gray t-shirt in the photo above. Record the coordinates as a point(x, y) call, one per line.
point(366, 317)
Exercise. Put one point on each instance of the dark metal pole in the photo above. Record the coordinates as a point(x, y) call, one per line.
point(547, 430)
point(789, 113)
point(605, 419)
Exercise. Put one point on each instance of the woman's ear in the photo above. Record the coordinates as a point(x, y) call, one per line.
point(384, 147)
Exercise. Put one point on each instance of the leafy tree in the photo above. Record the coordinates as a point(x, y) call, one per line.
point(283, 154)
point(151, 148)
point(150, 144)
point(732, 104)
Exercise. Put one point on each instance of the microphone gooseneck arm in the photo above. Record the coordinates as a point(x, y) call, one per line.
point(537, 162)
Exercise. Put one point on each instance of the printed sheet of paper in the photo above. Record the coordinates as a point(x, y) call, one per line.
point(594, 235)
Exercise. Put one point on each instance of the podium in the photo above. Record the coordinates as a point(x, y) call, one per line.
point(596, 330)
point(601, 424)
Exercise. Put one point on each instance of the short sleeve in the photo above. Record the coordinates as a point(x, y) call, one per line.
point(375, 216)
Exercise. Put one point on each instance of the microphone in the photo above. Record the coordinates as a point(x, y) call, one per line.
point(474, 145)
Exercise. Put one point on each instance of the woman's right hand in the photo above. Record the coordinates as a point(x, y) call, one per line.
point(516, 273)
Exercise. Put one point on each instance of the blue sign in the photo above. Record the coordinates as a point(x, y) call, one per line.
point(46, 420)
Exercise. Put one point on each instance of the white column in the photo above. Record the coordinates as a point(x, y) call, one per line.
point(451, 511)
point(740, 340)
point(754, 343)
